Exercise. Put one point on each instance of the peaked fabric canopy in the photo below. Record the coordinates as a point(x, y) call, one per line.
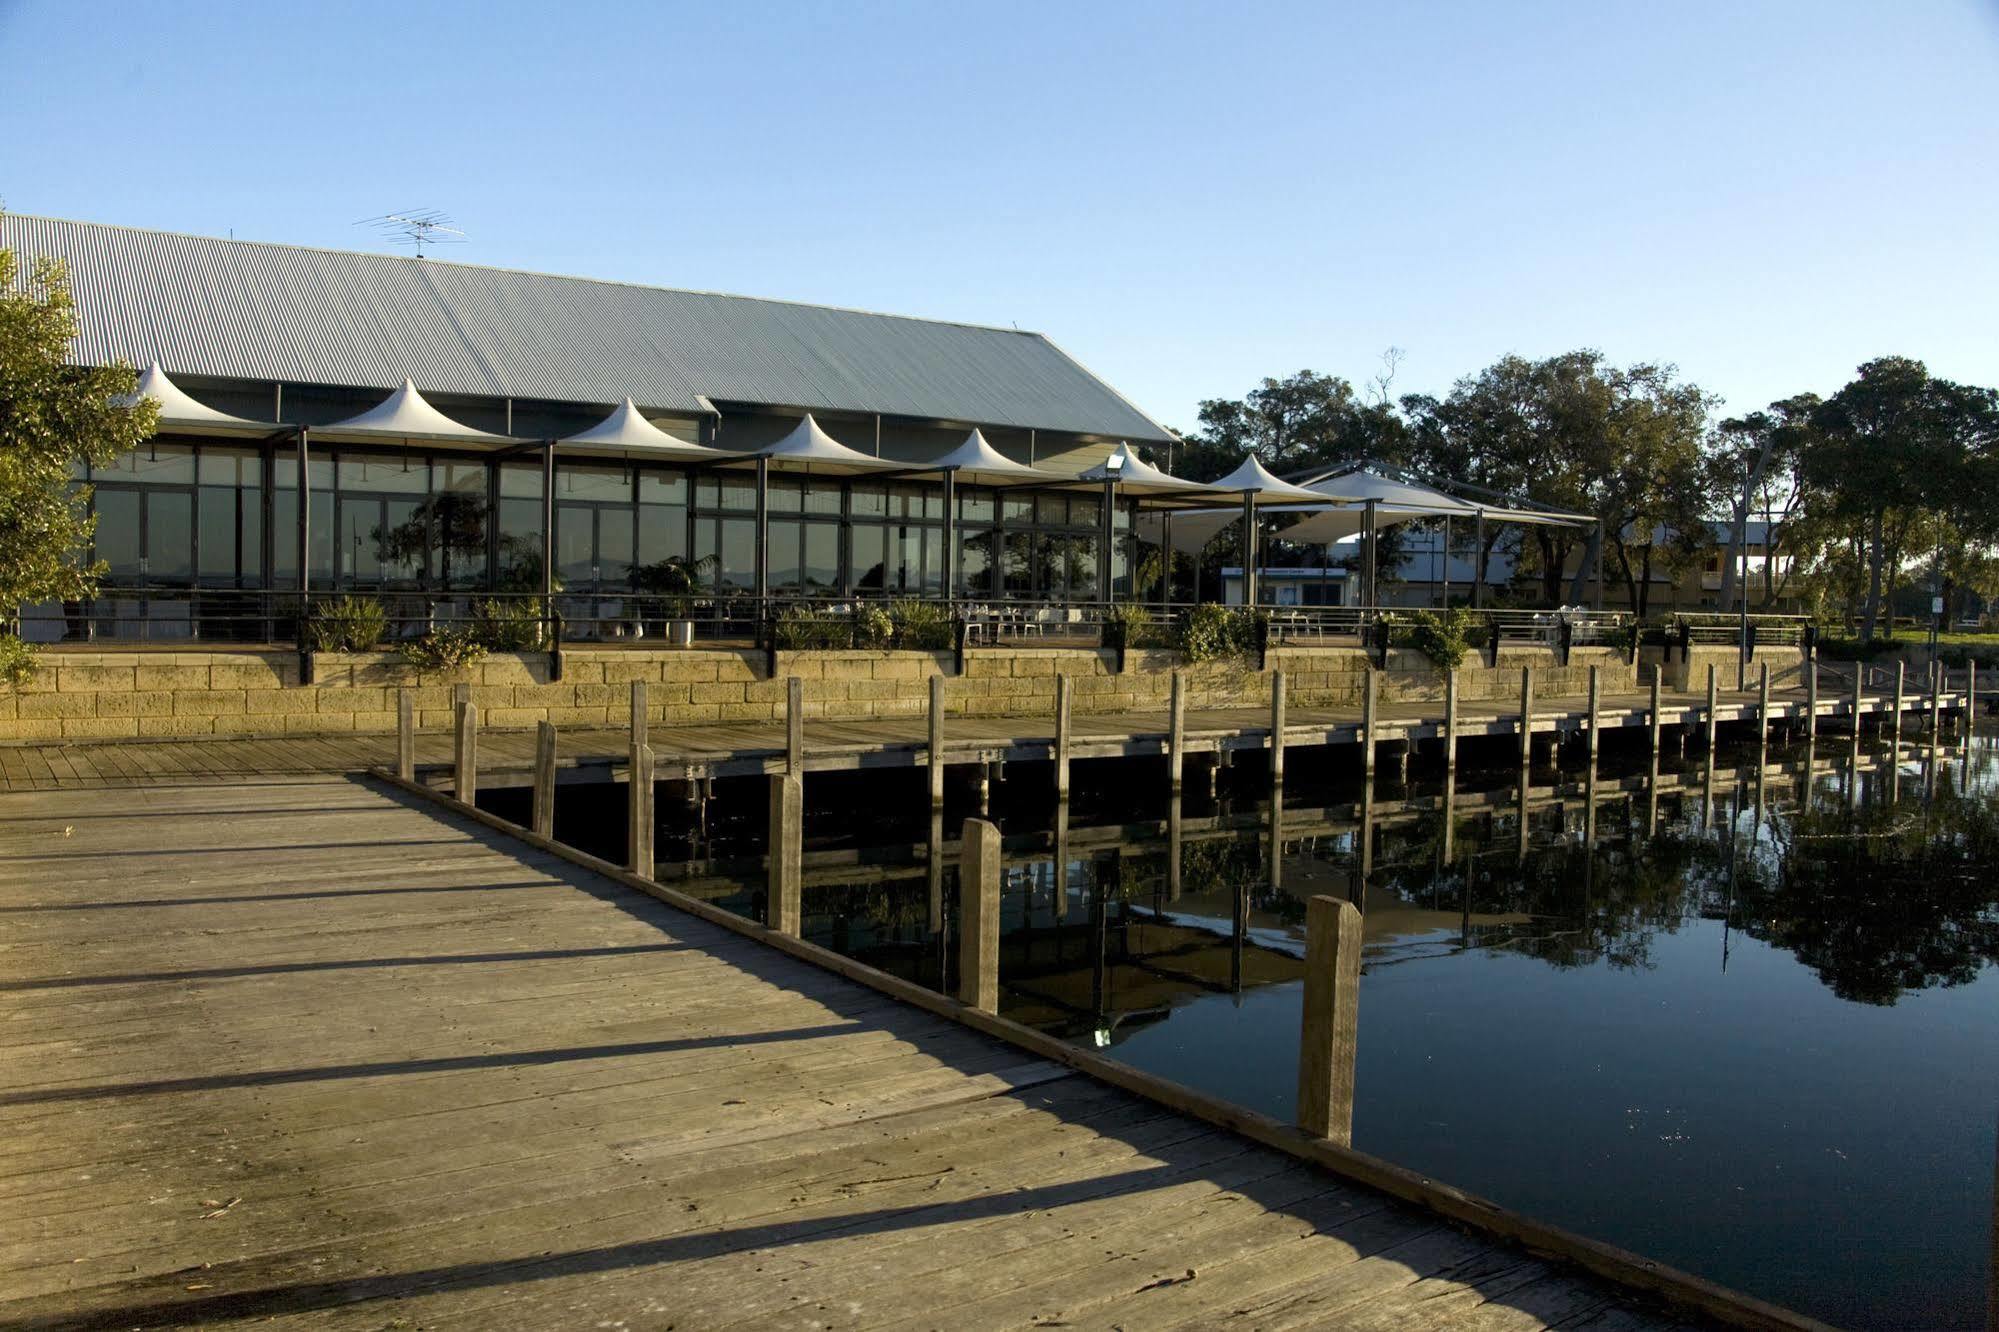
point(1138, 478)
point(627, 431)
point(405, 415)
point(1194, 529)
point(179, 411)
point(1252, 475)
point(979, 462)
point(810, 449)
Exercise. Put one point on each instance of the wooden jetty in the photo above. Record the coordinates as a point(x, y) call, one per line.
point(325, 1051)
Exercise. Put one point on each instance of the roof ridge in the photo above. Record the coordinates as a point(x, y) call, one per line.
point(539, 273)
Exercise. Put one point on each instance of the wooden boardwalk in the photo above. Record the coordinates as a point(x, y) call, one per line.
point(305, 1051)
point(720, 749)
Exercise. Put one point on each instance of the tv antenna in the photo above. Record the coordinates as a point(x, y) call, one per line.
point(417, 226)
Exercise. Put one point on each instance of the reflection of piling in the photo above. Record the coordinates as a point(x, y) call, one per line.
point(1450, 721)
point(1713, 706)
point(406, 735)
point(465, 753)
point(1594, 721)
point(1174, 845)
point(635, 741)
point(794, 726)
point(544, 779)
point(1062, 737)
point(934, 872)
point(1653, 716)
point(979, 916)
point(1763, 720)
point(1367, 708)
point(1176, 731)
point(641, 813)
point(1811, 695)
point(1329, 1026)
point(1901, 686)
point(935, 754)
point(783, 898)
point(1061, 875)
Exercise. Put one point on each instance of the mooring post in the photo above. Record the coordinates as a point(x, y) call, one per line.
point(1175, 845)
point(641, 813)
point(1901, 681)
point(635, 742)
point(406, 735)
point(1595, 721)
point(1970, 718)
point(1061, 737)
point(1762, 725)
point(794, 725)
point(1450, 721)
point(1811, 696)
point(1176, 730)
point(935, 753)
point(1936, 705)
point(979, 916)
point(465, 764)
point(544, 779)
point(1713, 706)
point(784, 889)
point(1653, 718)
point(1329, 1029)
point(1277, 728)
point(1526, 718)
point(1367, 701)
point(1859, 677)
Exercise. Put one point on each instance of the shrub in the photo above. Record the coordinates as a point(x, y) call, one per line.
point(445, 648)
point(873, 628)
point(17, 661)
point(510, 625)
point(347, 624)
point(801, 629)
point(1212, 632)
point(1442, 636)
point(1133, 626)
point(921, 626)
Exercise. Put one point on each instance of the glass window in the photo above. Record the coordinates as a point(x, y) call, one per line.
point(932, 539)
point(230, 467)
point(739, 554)
point(614, 547)
point(520, 480)
point(786, 496)
point(467, 478)
point(657, 487)
point(118, 531)
point(870, 551)
point(822, 557)
point(870, 501)
point(975, 506)
point(578, 481)
point(151, 464)
point(457, 523)
point(784, 555)
point(406, 542)
point(575, 544)
point(822, 497)
point(974, 562)
point(1017, 509)
point(379, 475)
point(1085, 511)
point(520, 544)
point(365, 539)
point(1019, 568)
point(170, 533)
point(739, 493)
point(662, 532)
point(284, 471)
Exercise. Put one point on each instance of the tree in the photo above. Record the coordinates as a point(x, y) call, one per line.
point(1756, 461)
point(1302, 421)
point(54, 416)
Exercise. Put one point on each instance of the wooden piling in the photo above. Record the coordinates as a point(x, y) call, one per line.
point(1653, 716)
point(784, 887)
point(1061, 737)
point(794, 726)
point(935, 753)
point(1936, 706)
point(1901, 682)
point(979, 916)
point(406, 735)
point(1176, 730)
point(465, 754)
point(1329, 1028)
point(1595, 720)
point(1526, 717)
point(1367, 706)
point(1713, 706)
point(635, 742)
point(1451, 721)
point(1277, 728)
point(1970, 720)
point(1859, 678)
point(1763, 712)
point(639, 802)
point(1811, 697)
point(544, 780)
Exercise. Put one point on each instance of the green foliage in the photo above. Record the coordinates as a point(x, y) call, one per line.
point(54, 416)
point(17, 661)
point(802, 629)
point(873, 627)
point(674, 579)
point(448, 647)
point(347, 624)
point(921, 626)
point(511, 624)
point(1212, 632)
point(1131, 625)
point(1445, 637)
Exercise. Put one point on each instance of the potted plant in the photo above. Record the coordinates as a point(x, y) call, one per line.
point(673, 582)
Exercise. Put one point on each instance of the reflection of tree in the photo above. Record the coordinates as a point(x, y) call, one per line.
point(451, 524)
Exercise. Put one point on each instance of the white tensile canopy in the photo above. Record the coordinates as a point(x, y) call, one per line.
point(405, 415)
point(627, 432)
point(810, 449)
point(1393, 502)
point(1193, 529)
point(178, 411)
point(980, 463)
point(1134, 476)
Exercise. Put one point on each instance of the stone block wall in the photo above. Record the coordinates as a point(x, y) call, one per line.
point(112, 694)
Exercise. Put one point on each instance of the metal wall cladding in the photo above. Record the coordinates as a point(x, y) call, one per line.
point(248, 310)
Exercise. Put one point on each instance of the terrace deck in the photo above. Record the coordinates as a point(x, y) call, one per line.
point(307, 1051)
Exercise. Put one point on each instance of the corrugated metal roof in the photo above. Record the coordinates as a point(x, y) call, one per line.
point(250, 310)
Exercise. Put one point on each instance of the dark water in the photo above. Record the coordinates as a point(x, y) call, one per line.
point(1744, 1020)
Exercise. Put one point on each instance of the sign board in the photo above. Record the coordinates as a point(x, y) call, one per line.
point(1936, 605)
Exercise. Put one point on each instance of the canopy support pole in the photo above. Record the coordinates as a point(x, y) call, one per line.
point(949, 569)
point(1249, 547)
point(1373, 599)
point(1106, 524)
point(1478, 563)
point(763, 534)
point(548, 527)
point(1165, 557)
point(1596, 552)
point(1447, 563)
point(304, 524)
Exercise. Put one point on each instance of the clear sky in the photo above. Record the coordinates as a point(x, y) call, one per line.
point(1186, 197)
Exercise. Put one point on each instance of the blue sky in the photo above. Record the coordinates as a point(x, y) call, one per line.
point(1186, 197)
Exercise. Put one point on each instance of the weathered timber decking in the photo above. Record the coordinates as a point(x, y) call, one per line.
point(301, 1051)
point(719, 749)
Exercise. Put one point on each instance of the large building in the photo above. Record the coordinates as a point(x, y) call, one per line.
point(284, 337)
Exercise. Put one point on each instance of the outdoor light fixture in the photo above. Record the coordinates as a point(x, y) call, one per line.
point(1114, 463)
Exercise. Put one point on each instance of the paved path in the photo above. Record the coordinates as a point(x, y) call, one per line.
point(301, 1051)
